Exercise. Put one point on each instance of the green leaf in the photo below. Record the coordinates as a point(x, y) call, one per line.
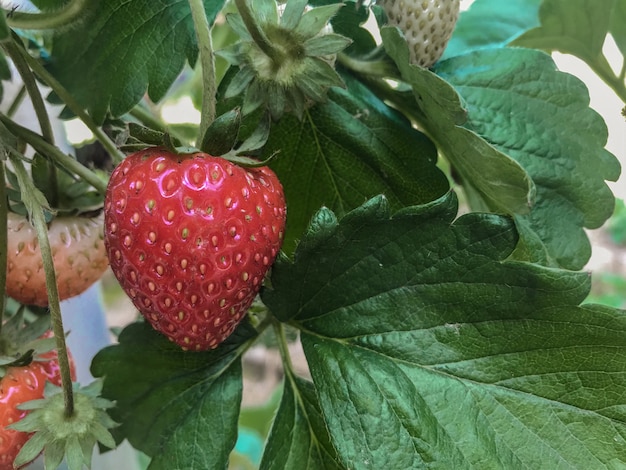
point(313, 21)
point(492, 23)
point(616, 28)
point(499, 179)
point(123, 49)
point(347, 150)
point(181, 408)
point(576, 27)
point(429, 350)
point(520, 103)
point(299, 438)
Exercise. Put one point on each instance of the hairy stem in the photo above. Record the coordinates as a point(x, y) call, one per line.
point(283, 347)
point(71, 103)
point(257, 33)
point(207, 62)
point(46, 20)
point(4, 209)
point(34, 200)
point(52, 152)
point(13, 51)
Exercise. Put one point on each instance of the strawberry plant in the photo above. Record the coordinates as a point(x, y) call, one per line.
point(401, 188)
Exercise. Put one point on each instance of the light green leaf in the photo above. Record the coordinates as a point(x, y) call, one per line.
point(347, 150)
point(181, 408)
point(299, 438)
point(491, 23)
point(575, 27)
point(523, 106)
point(123, 49)
point(499, 179)
point(429, 350)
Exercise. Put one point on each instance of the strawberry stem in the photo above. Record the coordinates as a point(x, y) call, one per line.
point(52, 152)
point(41, 112)
point(17, 101)
point(3, 242)
point(73, 105)
point(47, 20)
point(35, 202)
point(207, 62)
point(283, 346)
point(261, 40)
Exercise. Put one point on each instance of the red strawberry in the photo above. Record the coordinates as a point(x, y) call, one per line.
point(78, 252)
point(190, 239)
point(19, 385)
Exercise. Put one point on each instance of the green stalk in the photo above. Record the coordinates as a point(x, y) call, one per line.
point(257, 33)
point(602, 69)
point(207, 61)
point(34, 201)
point(71, 103)
point(4, 209)
point(16, 101)
point(52, 152)
point(46, 20)
point(41, 112)
point(283, 348)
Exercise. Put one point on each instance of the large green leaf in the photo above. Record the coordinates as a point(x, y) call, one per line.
point(347, 150)
point(299, 438)
point(181, 408)
point(125, 48)
point(429, 350)
point(520, 103)
point(499, 179)
point(575, 27)
point(492, 23)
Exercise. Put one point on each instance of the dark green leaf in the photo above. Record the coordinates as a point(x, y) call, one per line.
point(492, 23)
point(520, 103)
point(126, 47)
point(499, 179)
point(575, 27)
point(179, 407)
point(348, 22)
point(299, 438)
point(429, 350)
point(347, 150)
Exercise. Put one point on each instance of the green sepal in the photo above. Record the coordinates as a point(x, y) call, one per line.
point(174, 146)
point(235, 21)
point(145, 134)
point(266, 11)
point(326, 45)
point(240, 82)
point(313, 21)
point(292, 14)
point(221, 136)
point(258, 138)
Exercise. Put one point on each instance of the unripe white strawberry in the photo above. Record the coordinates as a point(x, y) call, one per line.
point(427, 25)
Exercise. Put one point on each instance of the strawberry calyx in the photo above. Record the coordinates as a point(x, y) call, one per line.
point(22, 343)
point(285, 61)
point(60, 436)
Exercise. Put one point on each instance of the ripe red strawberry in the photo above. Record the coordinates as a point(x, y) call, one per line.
point(19, 385)
point(78, 253)
point(427, 25)
point(190, 239)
